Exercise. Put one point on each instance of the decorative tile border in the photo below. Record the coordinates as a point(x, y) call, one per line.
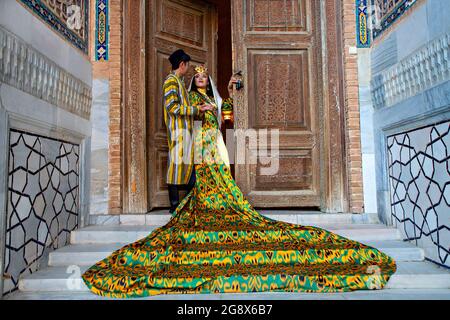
point(387, 12)
point(101, 30)
point(69, 18)
point(419, 182)
point(26, 69)
point(362, 22)
point(43, 201)
point(420, 71)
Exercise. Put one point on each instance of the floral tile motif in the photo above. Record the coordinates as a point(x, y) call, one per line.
point(68, 18)
point(362, 24)
point(101, 30)
point(386, 12)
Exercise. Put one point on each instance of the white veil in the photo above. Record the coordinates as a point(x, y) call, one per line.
point(217, 98)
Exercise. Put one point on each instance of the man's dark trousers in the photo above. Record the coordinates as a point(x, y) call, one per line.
point(174, 191)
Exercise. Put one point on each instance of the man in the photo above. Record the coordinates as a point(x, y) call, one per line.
point(179, 118)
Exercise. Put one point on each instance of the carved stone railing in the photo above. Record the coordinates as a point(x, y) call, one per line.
point(26, 69)
point(420, 71)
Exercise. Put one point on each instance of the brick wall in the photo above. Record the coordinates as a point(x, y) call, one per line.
point(115, 192)
point(111, 70)
point(352, 114)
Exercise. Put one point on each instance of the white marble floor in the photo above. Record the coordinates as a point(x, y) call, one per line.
point(386, 294)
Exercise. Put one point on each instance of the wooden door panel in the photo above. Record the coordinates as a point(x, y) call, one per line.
point(181, 22)
point(276, 45)
point(294, 173)
point(282, 35)
point(172, 25)
point(276, 15)
point(279, 89)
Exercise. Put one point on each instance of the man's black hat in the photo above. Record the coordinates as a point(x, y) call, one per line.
point(178, 56)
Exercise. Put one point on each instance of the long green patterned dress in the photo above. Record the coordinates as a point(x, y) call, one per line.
point(217, 243)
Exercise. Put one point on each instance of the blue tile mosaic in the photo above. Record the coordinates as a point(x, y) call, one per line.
point(69, 18)
point(101, 30)
point(362, 28)
point(386, 12)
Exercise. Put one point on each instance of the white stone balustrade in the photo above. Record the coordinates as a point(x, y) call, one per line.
point(420, 71)
point(26, 69)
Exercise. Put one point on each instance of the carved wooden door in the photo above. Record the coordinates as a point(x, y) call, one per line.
point(276, 45)
point(171, 25)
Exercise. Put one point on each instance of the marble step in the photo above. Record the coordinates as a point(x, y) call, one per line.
point(161, 217)
point(88, 254)
point(385, 294)
point(131, 233)
point(409, 275)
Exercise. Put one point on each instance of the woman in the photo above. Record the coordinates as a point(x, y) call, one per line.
point(216, 242)
point(202, 91)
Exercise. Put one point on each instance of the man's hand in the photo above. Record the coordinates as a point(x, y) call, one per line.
point(205, 107)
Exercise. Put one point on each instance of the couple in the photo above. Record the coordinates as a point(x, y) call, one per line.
point(181, 110)
point(216, 242)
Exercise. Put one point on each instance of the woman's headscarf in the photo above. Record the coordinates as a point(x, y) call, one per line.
point(217, 98)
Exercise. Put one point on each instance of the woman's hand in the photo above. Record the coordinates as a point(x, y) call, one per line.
point(205, 107)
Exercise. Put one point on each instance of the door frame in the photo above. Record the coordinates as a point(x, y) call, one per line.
point(336, 175)
point(133, 109)
point(159, 44)
point(334, 178)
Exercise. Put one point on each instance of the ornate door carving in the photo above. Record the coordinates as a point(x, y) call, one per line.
point(290, 53)
point(278, 46)
point(171, 24)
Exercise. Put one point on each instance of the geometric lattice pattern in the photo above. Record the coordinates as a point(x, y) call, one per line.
point(43, 201)
point(419, 180)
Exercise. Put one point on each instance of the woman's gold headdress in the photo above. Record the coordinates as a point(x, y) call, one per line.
point(201, 69)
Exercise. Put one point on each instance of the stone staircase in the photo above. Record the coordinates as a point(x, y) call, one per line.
point(61, 278)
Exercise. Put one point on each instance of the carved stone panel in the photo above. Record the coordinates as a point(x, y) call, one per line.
point(276, 15)
point(43, 201)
